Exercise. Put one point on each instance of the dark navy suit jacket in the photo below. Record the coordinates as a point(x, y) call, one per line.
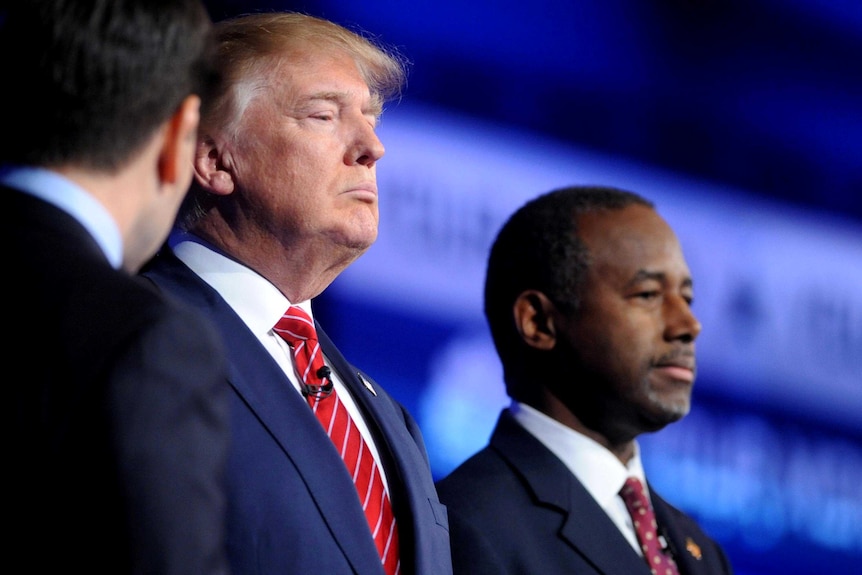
point(292, 505)
point(115, 412)
point(516, 509)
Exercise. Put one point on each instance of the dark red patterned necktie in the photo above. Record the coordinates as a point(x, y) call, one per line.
point(647, 530)
point(297, 329)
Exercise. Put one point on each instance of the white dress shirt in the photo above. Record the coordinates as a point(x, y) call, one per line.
point(599, 470)
point(260, 305)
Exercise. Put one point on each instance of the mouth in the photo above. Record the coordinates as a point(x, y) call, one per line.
point(678, 367)
point(366, 192)
point(676, 372)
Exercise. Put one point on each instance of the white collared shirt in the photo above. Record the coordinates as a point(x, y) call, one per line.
point(72, 199)
point(599, 470)
point(260, 312)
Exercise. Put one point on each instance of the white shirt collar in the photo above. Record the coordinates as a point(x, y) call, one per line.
point(601, 473)
point(234, 281)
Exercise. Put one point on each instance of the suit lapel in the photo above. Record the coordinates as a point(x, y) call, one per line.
point(685, 547)
point(266, 391)
point(382, 416)
point(586, 527)
point(405, 462)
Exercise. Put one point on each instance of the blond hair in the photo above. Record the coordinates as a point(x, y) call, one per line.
point(250, 45)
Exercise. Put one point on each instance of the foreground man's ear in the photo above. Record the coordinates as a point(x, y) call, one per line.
point(180, 134)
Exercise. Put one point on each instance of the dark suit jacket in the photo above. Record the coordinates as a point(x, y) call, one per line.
point(515, 508)
point(293, 507)
point(116, 411)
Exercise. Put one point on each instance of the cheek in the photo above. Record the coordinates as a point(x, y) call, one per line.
point(634, 344)
point(278, 173)
point(614, 346)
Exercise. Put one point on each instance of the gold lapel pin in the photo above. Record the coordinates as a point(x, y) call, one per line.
point(693, 548)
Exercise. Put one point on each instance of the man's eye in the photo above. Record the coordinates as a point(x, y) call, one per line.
point(648, 294)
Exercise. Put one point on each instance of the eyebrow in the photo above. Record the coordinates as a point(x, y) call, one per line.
point(375, 108)
point(646, 275)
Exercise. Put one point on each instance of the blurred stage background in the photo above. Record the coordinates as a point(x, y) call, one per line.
point(743, 121)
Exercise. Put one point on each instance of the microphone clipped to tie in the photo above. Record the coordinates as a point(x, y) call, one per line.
point(324, 374)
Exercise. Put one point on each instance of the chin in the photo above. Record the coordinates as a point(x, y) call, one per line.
point(669, 410)
point(357, 234)
point(363, 240)
point(677, 410)
point(360, 244)
point(360, 231)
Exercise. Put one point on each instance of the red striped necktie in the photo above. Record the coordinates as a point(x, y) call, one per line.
point(297, 329)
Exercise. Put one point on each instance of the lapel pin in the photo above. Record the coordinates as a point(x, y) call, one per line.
point(367, 384)
point(693, 548)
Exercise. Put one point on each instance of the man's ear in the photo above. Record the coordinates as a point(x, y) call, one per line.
point(180, 133)
point(211, 171)
point(534, 319)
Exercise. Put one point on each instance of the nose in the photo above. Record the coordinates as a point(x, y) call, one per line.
point(681, 323)
point(367, 147)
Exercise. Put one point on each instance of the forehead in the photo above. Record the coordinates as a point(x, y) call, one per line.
point(310, 66)
point(630, 239)
point(310, 76)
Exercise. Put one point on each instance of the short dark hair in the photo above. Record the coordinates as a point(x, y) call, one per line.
point(93, 79)
point(539, 248)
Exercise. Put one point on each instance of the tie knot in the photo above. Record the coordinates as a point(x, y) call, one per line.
point(634, 496)
point(296, 327)
point(632, 484)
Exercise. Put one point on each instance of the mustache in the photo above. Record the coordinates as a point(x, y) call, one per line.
point(678, 356)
